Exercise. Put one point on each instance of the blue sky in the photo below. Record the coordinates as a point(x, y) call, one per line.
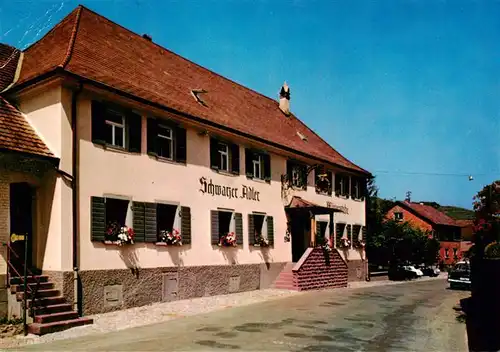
point(409, 90)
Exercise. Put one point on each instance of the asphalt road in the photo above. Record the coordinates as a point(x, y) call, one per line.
point(417, 316)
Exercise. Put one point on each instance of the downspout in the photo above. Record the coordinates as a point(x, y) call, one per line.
point(74, 188)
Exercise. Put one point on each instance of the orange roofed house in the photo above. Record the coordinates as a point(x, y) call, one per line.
point(106, 136)
point(429, 219)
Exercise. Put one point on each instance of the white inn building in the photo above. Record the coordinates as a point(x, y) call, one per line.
point(102, 132)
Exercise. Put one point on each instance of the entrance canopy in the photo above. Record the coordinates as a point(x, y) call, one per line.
point(297, 203)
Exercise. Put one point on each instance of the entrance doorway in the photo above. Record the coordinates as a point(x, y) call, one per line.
point(300, 230)
point(21, 224)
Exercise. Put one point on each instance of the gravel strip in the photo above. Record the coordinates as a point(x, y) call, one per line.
point(153, 313)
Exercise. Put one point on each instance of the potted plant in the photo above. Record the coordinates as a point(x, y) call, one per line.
point(172, 238)
point(228, 240)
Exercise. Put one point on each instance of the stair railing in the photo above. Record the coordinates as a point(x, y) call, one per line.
point(27, 272)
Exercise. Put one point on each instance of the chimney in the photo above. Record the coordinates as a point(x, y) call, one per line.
point(147, 37)
point(408, 197)
point(285, 99)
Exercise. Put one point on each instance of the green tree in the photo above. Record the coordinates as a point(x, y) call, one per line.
point(487, 219)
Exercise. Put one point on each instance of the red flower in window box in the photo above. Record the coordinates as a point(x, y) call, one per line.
point(228, 240)
point(171, 237)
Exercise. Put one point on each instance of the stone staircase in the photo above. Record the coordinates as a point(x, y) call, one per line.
point(51, 311)
point(286, 280)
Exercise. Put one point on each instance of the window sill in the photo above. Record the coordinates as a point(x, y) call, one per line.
point(165, 160)
point(258, 245)
point(116, 243)
point(324, 194)
point(259, 180)
point(342, 197)
point(164, 244)
point(225, 173)
point(116, 149)
point(295, 188)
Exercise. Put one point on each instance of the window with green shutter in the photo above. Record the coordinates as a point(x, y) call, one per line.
point(166, 140)
point(349, 233)
point(297, 174)
point(116, 126)
point(186, 225)
point(223, 223)
point(111, 213)
point(98, 215)
point(339, 233)
point(321, 234)
point(342, 185)
point(356, 233)
point(270, 230)
point(257, 165)
point(224, 156)
point(256, 230)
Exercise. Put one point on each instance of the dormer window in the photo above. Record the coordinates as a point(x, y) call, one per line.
point(398, 216)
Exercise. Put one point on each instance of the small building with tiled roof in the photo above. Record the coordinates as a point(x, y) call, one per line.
point(225, 189)
point(429, 219)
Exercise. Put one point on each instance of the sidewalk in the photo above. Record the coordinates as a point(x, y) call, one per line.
point(161, 312)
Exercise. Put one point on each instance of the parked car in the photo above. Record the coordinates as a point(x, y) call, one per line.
point(432, 272)
point(412, 268)
point(459, 275)
point(399, 272)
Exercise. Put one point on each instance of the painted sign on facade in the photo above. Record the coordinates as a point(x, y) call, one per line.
point(342, 208)
point(246, 192)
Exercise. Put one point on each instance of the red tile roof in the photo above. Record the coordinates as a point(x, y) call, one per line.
point(9, 58)
point(16, 133)
point(93, 47)
point(465, 223)
point(430, 213)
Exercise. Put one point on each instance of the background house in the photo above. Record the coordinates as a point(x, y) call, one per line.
point(429, 219)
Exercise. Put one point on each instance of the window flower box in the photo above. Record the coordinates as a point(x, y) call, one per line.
point(345, 243)
point(119, 235)
point(260, 241)
point(359, 244)
point(170, 238)
point(228, 240)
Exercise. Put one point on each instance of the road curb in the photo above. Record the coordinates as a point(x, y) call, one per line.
point(362, 284)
